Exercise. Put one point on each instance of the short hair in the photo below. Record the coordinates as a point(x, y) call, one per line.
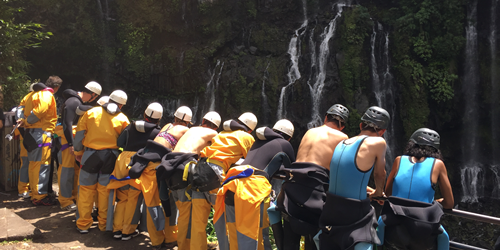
point(368, 126)
point(180, 120)
point(336, 119)
point(419, 151)
point(209, 124)
point(54, 82)
point(285, 136)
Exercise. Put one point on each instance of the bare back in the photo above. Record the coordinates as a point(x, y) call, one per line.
point(195, 139)
point(177, 131)
point(318, 144)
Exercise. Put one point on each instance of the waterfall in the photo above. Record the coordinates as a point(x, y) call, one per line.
point(495, 109)
point(324, 53)
point(210, 90)
point(471, 187)
point(265, 104)
point(382, 84)
point(105, 41)
point(294, 52)
point(471, 180)
point(496, 187)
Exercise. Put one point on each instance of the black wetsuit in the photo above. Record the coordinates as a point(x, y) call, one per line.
point(265, 147)
point(69, 116)
point(136, 135)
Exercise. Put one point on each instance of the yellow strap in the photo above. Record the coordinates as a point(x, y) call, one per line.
point(186, 170)
point(186, 192)
point(216, 162)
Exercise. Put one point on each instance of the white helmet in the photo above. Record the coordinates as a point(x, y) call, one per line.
point(94, 87)
point(31, 86)
point(103, 100)
point(119, 97)
point(284, 126)
point(184, 113)
point(213, 117)
point(248, 119)
point(154, 110)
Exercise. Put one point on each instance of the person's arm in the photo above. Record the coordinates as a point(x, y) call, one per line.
point(81, 130)
point(444, 185)
point(379, 170)
point(392, 175)
point(68, 116)
point(41, 104)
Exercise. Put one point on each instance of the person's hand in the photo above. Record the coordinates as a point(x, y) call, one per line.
point(377, 194)
point(440, 200)
point(72, 150)
point(20, 122)
point(78, 158)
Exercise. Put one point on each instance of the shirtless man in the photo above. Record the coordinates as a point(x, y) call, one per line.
point(315, 153)
point(318, 144)
point(352, 163)
point(194, 207)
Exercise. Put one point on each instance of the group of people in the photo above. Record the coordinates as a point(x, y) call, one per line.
point(176, 174)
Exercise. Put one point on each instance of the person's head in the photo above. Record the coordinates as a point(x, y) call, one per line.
point(91, 92)
point(103, 100)
point(211, 120)
point(119, 97)
point(183, 116)
point(285, 128)
point(337, 116)
point(54, 82)
point(424, 142)
point(375, 121)
point(153, 113)
point(249, 120)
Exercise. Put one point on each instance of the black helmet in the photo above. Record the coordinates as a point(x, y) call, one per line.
point(339, 110)
point(426, 137)
point(378, 116)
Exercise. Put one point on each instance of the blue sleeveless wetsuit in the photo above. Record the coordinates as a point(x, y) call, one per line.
point(346, 179)
point(414, 181)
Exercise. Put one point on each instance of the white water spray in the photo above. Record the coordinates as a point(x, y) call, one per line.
point(324, 53)
point(294, 52)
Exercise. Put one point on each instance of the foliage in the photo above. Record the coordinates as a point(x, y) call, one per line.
point(427, 39)
point(354, 30)
point(15, 38)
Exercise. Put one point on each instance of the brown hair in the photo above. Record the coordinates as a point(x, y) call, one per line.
point(54, 82)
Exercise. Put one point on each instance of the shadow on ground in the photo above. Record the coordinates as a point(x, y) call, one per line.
point(59, 229)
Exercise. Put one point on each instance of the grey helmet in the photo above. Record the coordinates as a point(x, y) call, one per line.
point(340, 110)
point(378, 116)
point(426, 137)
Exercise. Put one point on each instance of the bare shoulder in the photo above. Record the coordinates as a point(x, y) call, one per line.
point(375, 141)
point(338, 134)
point(439, 165)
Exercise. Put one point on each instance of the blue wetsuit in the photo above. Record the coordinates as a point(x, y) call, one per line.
point(346, 179)
point(414, 181)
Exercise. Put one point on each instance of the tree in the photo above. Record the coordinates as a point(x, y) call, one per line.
point(15, 39)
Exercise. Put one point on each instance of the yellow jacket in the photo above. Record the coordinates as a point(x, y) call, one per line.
point(228, 147)
point(250, 191)
point(98, 129)
point(40, 111)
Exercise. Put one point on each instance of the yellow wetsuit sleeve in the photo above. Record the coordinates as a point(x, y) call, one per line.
point(41, 104)
point(81, 129)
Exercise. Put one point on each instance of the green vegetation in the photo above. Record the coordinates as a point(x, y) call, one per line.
point(13, 242)
point(15, 38)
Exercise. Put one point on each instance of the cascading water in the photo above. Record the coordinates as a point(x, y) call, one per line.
point(472, 183)
point(495, 91)
point(266, 111)
point(210, 90)
point(323, 55)
point(294, 52)
point(382, 84)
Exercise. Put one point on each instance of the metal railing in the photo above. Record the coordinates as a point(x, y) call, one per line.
point(471, 216)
